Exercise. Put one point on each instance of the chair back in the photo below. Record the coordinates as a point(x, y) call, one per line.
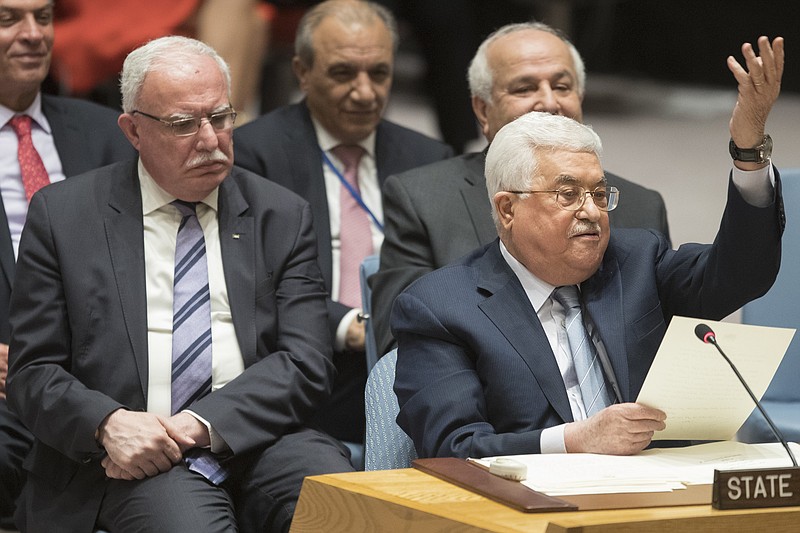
point(780, 307)
point(386, 445)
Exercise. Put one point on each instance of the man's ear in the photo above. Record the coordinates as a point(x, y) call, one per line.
point(300, 70)
point(504, 204)
point(129, 128)
point(479, 107)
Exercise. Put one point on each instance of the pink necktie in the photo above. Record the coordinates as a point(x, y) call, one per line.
point(355, 236)
point(34, 175)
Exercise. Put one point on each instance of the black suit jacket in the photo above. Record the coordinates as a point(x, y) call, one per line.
point(476, 376)
point(282, 146)
point(438, 213)
point(86, 136)
point(79, 320)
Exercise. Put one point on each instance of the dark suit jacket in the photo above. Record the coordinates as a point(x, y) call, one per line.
point(475, 373)
point(86, 136)
point(79, 322)
point(438, 213)
point(282, 146)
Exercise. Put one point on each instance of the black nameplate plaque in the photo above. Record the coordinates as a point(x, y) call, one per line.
point(756, 488)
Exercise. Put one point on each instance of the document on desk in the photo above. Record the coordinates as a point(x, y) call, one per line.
point(693, 384)
point(654, 470)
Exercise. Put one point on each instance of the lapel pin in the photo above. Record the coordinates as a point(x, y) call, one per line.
point(236, 235)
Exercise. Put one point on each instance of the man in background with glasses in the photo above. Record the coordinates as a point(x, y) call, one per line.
point(540, 341)
point(169, 326)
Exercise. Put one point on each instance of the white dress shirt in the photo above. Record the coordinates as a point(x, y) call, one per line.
point(161, 221)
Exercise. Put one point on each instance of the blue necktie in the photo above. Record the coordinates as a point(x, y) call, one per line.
point(584, 355)
point(191, 331)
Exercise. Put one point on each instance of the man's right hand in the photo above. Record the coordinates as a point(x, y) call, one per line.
point(620, 429)
point(356, 336)
point(137, 445)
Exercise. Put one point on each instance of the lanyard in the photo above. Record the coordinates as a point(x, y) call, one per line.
point(351, 190)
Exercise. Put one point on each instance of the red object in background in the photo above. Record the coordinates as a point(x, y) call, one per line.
point(92, 38)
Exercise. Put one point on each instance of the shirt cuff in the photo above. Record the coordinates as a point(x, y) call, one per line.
point(551, 440)
point(341, 330)
point(757, 187)
point(218, 444)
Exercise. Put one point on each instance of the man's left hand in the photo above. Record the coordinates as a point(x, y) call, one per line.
point(759, 86)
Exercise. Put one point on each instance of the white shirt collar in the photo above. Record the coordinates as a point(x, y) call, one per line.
point(154, 197)
point(538, 291)
point(34, 111)
point(327, 141)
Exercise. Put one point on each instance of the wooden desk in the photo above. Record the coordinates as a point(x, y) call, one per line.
point(410, 500)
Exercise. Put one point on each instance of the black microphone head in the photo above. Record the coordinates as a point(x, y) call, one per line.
point(705, 333)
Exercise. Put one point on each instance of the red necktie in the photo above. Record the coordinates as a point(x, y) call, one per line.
point(34, 175)
point(355, 235)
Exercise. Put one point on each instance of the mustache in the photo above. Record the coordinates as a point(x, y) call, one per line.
point(583, 227)
point(208, 157)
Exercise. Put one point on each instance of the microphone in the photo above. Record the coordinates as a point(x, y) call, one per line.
point(706, 334)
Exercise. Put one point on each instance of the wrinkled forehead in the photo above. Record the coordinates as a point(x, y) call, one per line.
point(559, 168)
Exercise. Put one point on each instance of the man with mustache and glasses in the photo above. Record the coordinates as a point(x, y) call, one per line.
point(539, 342)
point(169, 335)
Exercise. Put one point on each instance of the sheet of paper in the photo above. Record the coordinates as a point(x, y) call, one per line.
point(656, 470)
point(693, 384)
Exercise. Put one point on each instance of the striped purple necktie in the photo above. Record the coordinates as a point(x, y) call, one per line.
point(191, 331)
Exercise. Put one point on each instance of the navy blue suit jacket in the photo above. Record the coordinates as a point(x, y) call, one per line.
point(475, 373)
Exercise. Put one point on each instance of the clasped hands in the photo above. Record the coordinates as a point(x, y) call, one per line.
point(140, 445)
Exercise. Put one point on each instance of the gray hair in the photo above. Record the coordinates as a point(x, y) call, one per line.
point(346, 11)
point(162, 53)
point(481, 77)
point(512, 162)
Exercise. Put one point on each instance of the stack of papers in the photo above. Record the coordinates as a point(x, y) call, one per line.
point(656, 470)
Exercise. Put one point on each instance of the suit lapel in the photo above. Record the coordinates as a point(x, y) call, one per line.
point(602, 297)
point(305, 159)
point(66, 136)
point(510, 311)
point(475, 198)
point(125, 239)
point(237, 242)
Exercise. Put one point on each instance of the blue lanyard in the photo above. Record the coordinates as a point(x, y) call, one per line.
point(351, 190)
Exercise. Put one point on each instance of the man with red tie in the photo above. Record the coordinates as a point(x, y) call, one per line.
point(43, 139)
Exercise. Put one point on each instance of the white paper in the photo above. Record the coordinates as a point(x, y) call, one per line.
point(693, 384)
point(655, 470)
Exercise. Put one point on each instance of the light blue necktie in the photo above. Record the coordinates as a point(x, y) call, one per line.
point(191, 331)
point(584, 355)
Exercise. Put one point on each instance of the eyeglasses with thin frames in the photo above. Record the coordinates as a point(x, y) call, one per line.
point(184, 127)
point(572, 198)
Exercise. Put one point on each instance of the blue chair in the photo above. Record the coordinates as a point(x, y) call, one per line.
point(781, 307)
point(386, 445)
point(368, 267)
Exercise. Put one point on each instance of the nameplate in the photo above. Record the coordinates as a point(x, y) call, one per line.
point(756, 488)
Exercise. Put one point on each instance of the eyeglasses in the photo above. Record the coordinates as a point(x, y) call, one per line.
point(184, 127)
point(572, 198)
